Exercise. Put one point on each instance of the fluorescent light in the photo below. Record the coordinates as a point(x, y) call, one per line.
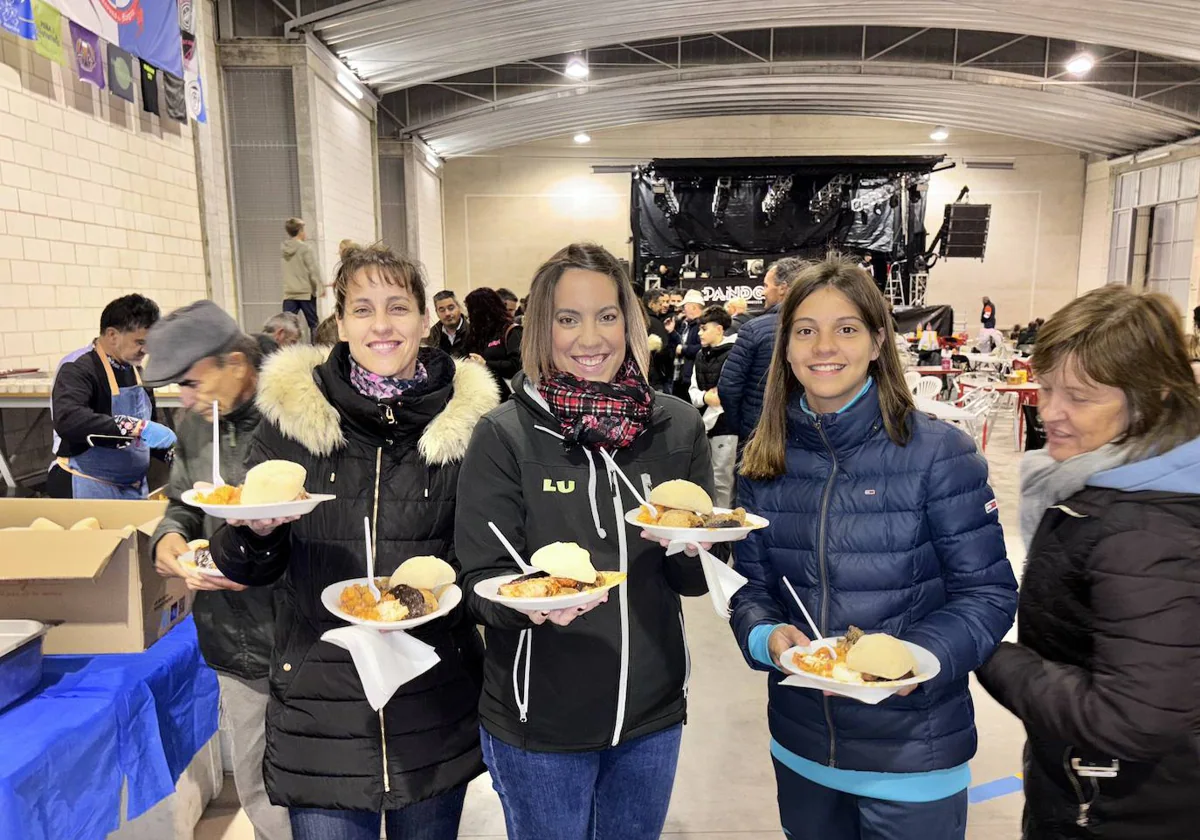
point(348, 82)
point(1153, 154)
point(433, 160)
point(577, 68)
point(1081, 63)
point(939, 134)
point(583, 137)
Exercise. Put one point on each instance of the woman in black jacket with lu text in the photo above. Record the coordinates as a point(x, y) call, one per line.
point(1106, 671)
point(382, 424)
point(582, 709)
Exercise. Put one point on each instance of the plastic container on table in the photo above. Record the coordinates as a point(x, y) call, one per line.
point(20, 659)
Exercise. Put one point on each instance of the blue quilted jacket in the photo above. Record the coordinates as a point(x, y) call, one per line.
point(744, 377)
point(904, 540)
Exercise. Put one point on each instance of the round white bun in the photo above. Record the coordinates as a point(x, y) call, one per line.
point(882, 656)
point(425, 572)
point(682, 495)
point(196, 545)
point(272, 482)
point(44, 524)
point(566, 560)
point(91, 523)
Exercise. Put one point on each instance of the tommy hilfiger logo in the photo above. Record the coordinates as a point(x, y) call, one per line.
point(549, 485)
point(991, 507)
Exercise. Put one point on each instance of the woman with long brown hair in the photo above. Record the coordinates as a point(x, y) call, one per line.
point(881, 518)
point(582, 709)
point(1106, 668)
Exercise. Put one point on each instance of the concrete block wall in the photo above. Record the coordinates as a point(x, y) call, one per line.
point(97, 200)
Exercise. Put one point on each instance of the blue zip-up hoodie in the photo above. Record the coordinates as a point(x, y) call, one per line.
point(903, 540)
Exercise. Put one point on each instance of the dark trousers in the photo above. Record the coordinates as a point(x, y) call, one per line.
point(308, 308)
point(812, 812)
point(432, 819)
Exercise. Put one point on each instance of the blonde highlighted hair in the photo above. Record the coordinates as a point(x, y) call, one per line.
point(537, 343)
point(766, 453)
point(1135, 342)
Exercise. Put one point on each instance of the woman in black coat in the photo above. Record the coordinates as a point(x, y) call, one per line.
point(1106, 672)
point(494, 340)
point(383, 424)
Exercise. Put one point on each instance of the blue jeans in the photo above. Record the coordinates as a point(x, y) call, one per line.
point(432, 819)
point(810, 811)
point(620, 793)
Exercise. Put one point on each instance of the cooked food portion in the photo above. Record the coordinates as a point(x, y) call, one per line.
point(89, 524)
point(398, 603)
point(44, 524)
point(683, 504)
point(544, 585)
point(567, 560)
point(201, 556)
point(268, 483)
point(424, 572)
point(681, 495)
point(860, 658)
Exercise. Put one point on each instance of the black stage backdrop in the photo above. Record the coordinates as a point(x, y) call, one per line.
point(801, 222)
point(942, 318)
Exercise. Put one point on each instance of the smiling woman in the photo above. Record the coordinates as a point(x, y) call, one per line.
point(380, 306)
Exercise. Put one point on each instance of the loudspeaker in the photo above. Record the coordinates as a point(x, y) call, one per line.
point(966, 230)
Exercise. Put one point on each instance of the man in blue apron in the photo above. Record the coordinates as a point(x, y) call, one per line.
point(104, 429)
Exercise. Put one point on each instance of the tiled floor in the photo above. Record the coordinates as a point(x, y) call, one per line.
point(725, 787)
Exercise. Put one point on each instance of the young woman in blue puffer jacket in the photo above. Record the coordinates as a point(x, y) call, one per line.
point(882, 518)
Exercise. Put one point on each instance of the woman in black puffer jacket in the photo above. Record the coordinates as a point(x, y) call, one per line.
point(1106, 672)
point(383, 424)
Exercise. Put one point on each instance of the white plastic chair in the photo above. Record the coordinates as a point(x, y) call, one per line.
point(911, 378)
point(980, 405)
point(929, 387)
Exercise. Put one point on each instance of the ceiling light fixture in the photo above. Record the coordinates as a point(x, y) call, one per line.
point(583, 137)
point(350, 84)
point(577, 68)
point(940, 134)
point(1081, 64)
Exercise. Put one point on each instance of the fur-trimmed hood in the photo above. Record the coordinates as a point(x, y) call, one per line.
point(289, 397)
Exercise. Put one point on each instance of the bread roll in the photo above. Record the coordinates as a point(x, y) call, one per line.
point(423, 572)
point(566, 560)
point(44, 524)
point(682, 495)
point(882, 656)
point(89, 524)
point(272, 482)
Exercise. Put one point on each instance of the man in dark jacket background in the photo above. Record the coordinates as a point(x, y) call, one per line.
point(744, 377)
point(202, 349)
point(450, 333)
point(662, 365)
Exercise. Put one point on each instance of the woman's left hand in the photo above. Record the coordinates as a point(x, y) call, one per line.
point(689, 549)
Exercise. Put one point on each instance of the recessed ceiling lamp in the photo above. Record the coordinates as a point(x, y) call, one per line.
point(577, 68)
point(1081, 64)
point(939, 134)
point(583, 137)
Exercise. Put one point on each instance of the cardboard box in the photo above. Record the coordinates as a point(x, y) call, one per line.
point(98, 589)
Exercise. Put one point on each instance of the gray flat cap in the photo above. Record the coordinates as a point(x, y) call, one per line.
point(184, 337)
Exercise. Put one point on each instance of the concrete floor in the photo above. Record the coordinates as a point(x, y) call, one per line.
point(725, 787)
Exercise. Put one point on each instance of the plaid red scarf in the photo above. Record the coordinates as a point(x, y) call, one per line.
point(596, 414)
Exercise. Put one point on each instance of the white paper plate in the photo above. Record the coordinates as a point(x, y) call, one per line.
point(188, 558)
point(331, 597)
point(708, 535)
point(488, 590)
point(928, 667)
point(253, 512)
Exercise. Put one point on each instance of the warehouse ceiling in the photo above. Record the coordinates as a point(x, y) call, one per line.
point(467, 76)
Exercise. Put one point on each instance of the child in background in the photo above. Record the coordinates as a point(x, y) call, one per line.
point(714, 350)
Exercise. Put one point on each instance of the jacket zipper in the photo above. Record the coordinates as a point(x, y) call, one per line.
point(387, 779)
point(821, 562)
point(1083, 819)
point(687, 656)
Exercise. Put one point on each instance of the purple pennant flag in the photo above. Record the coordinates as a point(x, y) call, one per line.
point(88, 60)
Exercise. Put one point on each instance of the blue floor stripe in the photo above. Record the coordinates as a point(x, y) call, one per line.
point(995, 789)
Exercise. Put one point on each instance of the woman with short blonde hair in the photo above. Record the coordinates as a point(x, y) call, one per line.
point(1105, 671)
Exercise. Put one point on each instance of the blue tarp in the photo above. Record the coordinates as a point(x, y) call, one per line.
point(98, 722)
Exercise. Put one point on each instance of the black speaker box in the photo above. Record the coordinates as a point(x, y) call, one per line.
point(966, 230)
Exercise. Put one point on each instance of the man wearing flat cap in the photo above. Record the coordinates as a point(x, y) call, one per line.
point(203, 350)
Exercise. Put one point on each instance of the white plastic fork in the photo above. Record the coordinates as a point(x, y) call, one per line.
point(521, 564)
point(216, 447)
point(371, 561)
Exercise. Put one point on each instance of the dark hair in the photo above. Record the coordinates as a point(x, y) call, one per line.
point(507, 295)
point(1196, 318)
point(247, 345)
point(293, 226)
point(489, 319)
point(716, 315)
point(652, 296)
point(788, 269)
point(383, 263)
point(129, 313)
point(444, 294)
point(766, 453)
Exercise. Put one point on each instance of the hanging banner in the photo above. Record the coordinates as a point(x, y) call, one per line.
point(122, 72)
point(88, 62)
point(173, 91)
point(49, 42)
point(149, 88)
point(194, 91)
point(147, 28)
point(16, 16)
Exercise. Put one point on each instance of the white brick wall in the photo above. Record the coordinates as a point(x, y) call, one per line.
point(346, 169)
point(97, 200)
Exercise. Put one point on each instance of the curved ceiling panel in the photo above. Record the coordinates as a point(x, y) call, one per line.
point(1088, 122)
point(399, 44)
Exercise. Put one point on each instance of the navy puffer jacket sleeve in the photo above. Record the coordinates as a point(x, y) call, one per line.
point(744, 376)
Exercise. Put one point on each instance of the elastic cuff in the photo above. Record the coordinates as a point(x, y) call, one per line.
point(757, 644)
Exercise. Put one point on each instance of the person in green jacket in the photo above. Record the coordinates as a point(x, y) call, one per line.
point(301, 274)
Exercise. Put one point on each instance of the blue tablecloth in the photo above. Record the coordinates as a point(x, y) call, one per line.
point(98, 722)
